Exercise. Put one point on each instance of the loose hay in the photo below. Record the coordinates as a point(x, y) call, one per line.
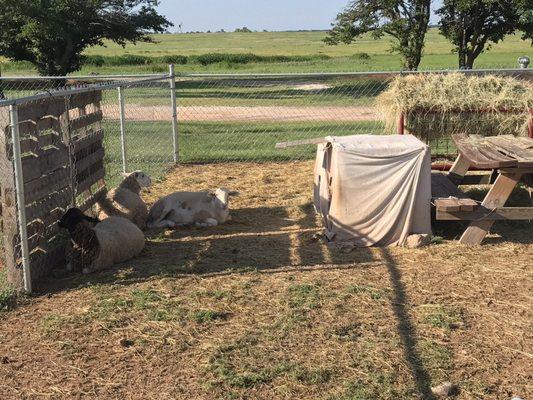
point(438, 105)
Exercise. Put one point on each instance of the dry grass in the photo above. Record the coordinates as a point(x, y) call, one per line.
point(256, 309)
point(438, 105)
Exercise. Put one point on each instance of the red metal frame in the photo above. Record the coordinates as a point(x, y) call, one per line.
point(401, 119)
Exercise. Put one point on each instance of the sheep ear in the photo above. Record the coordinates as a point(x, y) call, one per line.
point(210, 197)
point(91, 219)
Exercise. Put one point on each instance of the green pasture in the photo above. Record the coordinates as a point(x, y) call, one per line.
point(150, 144)
point(366, 54)
point(295, 91)
point(285, 43)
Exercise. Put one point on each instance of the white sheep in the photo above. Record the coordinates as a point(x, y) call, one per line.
point(125, 200)
point(190, 208)
point(98, 245)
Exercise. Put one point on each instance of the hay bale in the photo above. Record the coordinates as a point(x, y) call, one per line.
point(438, 105)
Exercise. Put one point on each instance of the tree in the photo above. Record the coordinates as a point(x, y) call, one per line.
point(405, 20)
point(473, 25)
point(52, 34)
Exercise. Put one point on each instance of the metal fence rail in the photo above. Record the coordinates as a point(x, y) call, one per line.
point(149, 122)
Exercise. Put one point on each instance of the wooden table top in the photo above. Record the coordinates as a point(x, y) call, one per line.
point(495, 152)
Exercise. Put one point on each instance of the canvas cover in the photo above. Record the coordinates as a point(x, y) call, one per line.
point(373, 190)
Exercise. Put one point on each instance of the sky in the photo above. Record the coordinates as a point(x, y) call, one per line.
point(272, 15)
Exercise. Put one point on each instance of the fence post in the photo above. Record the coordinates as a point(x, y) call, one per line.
point(175, 138)
point(401, 124)
point(123, 129)
point(21, 204)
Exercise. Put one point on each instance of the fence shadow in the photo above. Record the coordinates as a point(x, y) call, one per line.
point(265, 239)
point(406, 328)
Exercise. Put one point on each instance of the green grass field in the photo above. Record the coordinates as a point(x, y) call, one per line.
point(351, 57)
point(150, 142)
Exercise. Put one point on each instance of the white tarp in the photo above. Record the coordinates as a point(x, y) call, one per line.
point(373, 190)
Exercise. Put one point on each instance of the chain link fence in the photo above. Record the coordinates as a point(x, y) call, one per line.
point(83, 132)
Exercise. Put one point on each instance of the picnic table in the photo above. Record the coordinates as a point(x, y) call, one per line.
point(510, 158)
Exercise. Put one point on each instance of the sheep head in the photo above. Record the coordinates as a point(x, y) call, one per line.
point(223, 194)
point(142, 179)
point(73, 217)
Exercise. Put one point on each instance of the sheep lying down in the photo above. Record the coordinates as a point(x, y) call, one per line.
point(97, 245)
point(125, 200)
point(190, 208)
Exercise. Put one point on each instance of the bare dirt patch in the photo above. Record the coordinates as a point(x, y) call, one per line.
point(137, 112)
point(258, 309)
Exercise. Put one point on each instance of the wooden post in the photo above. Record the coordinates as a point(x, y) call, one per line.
point(530, 126)
point(401, 124)
point(459, 169)
point(496, 197)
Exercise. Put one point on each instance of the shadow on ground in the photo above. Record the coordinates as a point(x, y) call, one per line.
point(256, 239)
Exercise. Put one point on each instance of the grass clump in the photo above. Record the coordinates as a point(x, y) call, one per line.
point(439, 105)
point(7, 293)
point(436, 358)
point(305, 297)
point(445, 318)
point(375, 294)
point(307, 376)
point(376, 386)
point(349, 332)
point(204, 316)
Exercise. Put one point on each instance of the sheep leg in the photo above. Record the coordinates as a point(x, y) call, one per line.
point(160, 221)
point(211, 222)
point(165, 224)
point(207, 222)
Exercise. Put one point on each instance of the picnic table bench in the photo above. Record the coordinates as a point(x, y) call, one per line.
point(509, 157)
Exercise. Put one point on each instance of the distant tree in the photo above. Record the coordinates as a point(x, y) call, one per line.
point(472, 26)
point(525, 23)
point(405, 20)
point(52, 34)
point(243, 30)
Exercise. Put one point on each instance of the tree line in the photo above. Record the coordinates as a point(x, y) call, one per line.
point(53, 34)
point(472, 26)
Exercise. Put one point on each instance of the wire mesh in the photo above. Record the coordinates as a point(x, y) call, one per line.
point(86, 142)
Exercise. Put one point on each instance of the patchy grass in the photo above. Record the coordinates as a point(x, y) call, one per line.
point(7, 293)
point(203, 316)
point(437, 358)
point(446, 318)
point(258, 309)
point(375, 386)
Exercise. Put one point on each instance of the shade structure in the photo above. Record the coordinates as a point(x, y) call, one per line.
point(373, 190)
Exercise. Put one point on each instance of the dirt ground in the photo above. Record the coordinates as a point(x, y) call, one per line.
point(138, 112)
point(258, 309)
